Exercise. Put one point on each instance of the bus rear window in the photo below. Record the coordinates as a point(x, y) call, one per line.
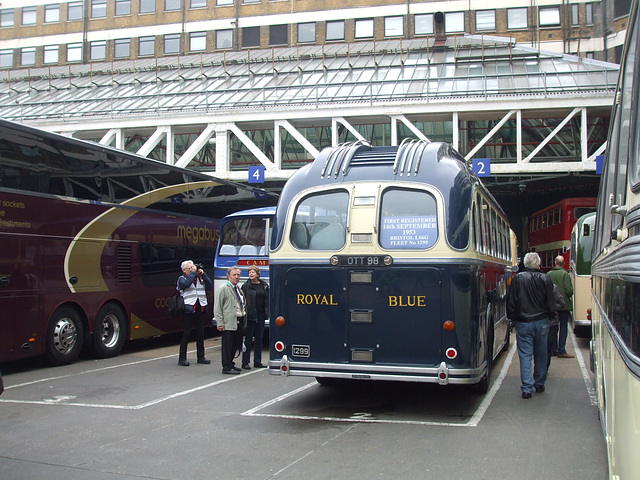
point(319, 222)
point(407, 220)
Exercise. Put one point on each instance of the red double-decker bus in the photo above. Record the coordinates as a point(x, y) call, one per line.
point(91, 242)
point(550, 228)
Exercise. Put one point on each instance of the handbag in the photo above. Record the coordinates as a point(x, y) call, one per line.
point(176, 305)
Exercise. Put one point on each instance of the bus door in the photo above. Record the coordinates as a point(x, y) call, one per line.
point(395, 316)
point(316, 307)
point(19, 295)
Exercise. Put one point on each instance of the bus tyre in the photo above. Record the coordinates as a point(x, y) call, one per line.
point(65, 336)
point(109, 332)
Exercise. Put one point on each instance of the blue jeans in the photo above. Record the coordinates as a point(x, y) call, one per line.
point(254, 329)
point(531, 338)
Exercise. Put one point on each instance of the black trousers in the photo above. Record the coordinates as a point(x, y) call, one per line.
point(188, 321)
point(231, 339)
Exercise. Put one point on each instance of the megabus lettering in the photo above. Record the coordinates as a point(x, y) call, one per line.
point(197, 234)
point(315, 299)
point(407, 300)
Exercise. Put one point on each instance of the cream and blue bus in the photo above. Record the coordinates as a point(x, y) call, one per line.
point(615, 272)
point(389, 263)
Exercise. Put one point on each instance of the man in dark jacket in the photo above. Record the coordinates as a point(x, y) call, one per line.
point(531, 305)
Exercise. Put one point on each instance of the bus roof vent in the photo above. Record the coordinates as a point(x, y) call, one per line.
point(340, 158)
point(408, 156)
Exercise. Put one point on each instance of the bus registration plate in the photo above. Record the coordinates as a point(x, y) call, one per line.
point(300, 350)
point(361, 260)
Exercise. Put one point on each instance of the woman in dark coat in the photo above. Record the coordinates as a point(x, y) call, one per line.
point(256, 293)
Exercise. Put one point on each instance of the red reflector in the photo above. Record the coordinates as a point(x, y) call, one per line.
point(284, 368)
point(279, 346)
point(451, 353)
point(443, 375)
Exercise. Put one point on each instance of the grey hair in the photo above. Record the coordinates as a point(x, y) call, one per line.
point(231, 269)
point(185, 264)
point(532, 260)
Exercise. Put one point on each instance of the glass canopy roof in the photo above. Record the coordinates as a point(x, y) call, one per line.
point(415, 71)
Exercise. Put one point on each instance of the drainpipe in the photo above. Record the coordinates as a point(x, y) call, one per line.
point(85, 27)
point(236, 33)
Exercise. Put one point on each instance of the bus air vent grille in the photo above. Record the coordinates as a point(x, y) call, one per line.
point(124, 264)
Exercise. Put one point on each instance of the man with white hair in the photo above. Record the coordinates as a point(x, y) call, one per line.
point(530, 305)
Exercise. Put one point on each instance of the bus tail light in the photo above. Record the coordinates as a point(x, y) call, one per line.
point(451, 353)
point(280, 321)
point(588, 314)
point(449, 326)
point(279, 346)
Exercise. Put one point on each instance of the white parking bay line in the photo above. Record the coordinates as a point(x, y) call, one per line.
point(473, 421)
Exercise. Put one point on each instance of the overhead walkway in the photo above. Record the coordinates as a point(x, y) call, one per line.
point(529, 111)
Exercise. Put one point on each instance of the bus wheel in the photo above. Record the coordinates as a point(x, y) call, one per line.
point(109, 333)
point(65, 335)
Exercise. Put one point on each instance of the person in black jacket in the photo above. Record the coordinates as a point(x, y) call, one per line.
point(531, 305)
point(256, 291)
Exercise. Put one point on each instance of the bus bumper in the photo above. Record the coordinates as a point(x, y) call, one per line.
point(442, 374)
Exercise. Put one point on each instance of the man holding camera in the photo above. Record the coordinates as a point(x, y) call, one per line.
point(193, 285)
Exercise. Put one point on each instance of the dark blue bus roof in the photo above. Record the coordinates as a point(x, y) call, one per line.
point(431, 163)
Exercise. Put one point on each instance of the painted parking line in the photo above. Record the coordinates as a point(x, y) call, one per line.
point(362, 417)
point(68, 400)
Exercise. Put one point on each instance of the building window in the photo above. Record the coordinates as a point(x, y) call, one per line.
point(29, 15)
point(198, 4)
point(98, 8)
point(74, 52)
point(172, 5)
point(51, 54)
point(146, 46)
point(51, 13)
point(98, 50)
point(423, 24)
point(278, 35)
point(364, 28)
point(575, 14)
point(306, 32)
point(454, 22)
point(147, 6)
point(588, 17)
point(122, 48)
point(6, 58)
point(74, 11)
point(549, 16)
point(123, 7)
point(198, 41)
point(250, 37)
point(224, 39)
point(6, 18)
point(517, 18)
point(251, 1)
point(335, 30)
point(394, 26)
point(28, 56)
point(172, 43)
point(222, 3)
point(485, 20)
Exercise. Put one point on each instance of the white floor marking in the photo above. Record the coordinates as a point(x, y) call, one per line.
point(593, 399)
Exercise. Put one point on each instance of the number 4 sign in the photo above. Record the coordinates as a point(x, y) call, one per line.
point(482, 167)
point(256, 174)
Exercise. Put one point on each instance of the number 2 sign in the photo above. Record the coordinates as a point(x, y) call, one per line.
point(482, 167)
